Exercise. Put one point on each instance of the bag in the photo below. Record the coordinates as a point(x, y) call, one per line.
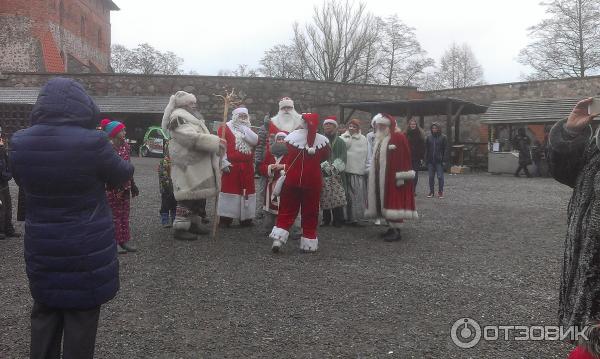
point(333, 194)
point(278, 186)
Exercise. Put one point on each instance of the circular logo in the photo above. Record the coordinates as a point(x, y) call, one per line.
point(465, 333)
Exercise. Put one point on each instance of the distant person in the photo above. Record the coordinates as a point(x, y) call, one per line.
point(195, 170)
point(390, 188)
point(416, 140)
point(356, 165)
point(63, 165)
point(436, 155)
point(119, 197)
point(168, 204)
point(333, 194)
point(574, 160)
point(7, 228)
point(237, 199)
point(522, 143)
point(536, 156)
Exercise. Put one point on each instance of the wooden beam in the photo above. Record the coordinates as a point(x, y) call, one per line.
point(422, 121)
point(456, 119)
point(341, 114)
point(449, 121)
point(349, 115)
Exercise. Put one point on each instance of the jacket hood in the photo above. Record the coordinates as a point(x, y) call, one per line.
point(436, 124)
point(64, 101)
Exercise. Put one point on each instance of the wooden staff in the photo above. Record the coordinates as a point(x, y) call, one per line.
point(229, 99)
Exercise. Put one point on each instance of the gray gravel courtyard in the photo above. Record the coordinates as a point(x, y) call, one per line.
point(491, 251)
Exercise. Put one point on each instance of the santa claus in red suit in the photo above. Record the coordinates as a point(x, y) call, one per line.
point(390, 189)
point(237, 199)
point(302, 183)
point(272, 168)
point(286, 120)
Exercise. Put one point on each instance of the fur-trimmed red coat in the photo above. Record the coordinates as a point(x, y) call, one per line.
point(266, 170)
point(391, 157)
point(302, 169)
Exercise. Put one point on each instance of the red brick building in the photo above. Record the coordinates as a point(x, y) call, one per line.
point(55, 35)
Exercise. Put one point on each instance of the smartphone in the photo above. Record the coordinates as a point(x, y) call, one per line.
point(594, 107)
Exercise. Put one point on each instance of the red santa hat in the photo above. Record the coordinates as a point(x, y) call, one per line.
point(280, 134)
point(312, 124)
point(286, 102)
point(331, 120)
point(385, 119)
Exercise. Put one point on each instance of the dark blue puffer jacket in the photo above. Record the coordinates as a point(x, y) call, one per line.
point(63, 164)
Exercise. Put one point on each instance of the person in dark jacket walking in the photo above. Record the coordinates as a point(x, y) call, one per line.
point(436, 155)
point(522, 144)
point(63, 164)
point(416, 141)
point(6, 224)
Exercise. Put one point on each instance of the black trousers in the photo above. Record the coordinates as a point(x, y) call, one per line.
point(167, 202)
point(6, 225)
point(524, 168)
point(74, 327)
point(338, 215)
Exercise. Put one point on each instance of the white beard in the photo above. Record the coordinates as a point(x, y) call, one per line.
point(379, 135)
point(287, 122)
point(237, 127)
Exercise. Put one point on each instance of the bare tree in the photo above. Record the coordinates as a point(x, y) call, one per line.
point(242, 70)
point(333, 45)
point(458, 68)
point(120, 59)
point(402, 58)
point(282, 61)
point(566, 43)
point(145, 59)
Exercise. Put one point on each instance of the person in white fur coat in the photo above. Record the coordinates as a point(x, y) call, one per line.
point(195, 171)
point(356, 167)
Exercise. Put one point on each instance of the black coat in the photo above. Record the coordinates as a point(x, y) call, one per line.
point(436, 149)
point(63, 164)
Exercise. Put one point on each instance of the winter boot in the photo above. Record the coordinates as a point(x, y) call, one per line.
point(387, 233)
point(165, 220)
point(394, 236)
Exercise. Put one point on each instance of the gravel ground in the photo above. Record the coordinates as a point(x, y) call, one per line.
point(491, 250)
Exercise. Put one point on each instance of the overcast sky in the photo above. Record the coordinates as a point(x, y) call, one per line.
point(213, 35)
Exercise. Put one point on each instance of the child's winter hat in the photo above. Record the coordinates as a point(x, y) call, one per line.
point(113, 128)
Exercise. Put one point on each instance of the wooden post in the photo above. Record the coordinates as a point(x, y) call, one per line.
point(422, 121)
point(228, 99)
point(449, 121)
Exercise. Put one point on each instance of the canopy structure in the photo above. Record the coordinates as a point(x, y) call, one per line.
point(452, 108)
point(539, 111)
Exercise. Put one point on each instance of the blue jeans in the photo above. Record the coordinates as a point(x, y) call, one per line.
point(435, 168)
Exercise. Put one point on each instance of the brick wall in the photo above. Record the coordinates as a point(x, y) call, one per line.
point(80, 28)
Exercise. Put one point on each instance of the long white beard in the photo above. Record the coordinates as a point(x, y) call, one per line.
point(238, 131)
point(287, 122)
point(380, 135)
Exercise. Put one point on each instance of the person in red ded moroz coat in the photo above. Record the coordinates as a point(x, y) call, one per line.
point(237, 199)
point(390, 192)
point(302, 184)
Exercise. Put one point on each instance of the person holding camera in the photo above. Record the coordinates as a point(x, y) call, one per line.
point(574, 160)
point(63, 165)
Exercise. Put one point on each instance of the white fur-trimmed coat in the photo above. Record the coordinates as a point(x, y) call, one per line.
point(194, 157)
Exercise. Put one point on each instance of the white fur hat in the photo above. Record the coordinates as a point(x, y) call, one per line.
point(381, 119)
point(286, 102)
point(240, 110)
point(183, 98)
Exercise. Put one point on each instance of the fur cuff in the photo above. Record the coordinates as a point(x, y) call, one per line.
point(399, 182)
point(395, 214)
point(405, 175)
point(209, 143)
point(309, 245)
point(279, 234)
